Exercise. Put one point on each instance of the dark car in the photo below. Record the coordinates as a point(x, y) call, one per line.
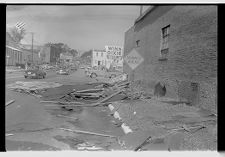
point(34, 73)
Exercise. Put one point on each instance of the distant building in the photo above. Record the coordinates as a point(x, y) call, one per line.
point(18, 55)
point(14, 54)
point(99, 58)
point(179, 47)
point(50, 54)
point(66, 57)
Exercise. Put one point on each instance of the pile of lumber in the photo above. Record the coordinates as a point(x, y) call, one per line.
point(100, 95)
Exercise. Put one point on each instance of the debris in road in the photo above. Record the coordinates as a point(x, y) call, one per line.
point(32, 88)
point(90, 90)
point(88, 132)
point(9, 135)
point(9, 102)
point(118, 79)
point(144, 143)
point(60, 102)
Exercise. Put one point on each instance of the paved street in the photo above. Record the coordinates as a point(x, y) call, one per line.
point(35, 127)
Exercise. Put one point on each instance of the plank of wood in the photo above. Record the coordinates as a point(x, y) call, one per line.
point(9, 102)
point(60, 102)
point(143, 144)
point(87, 132)
point(107, 98)
point(74, 105)
point(90, 90)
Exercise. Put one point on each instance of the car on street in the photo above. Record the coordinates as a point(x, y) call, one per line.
point(34, 73)
point(63, 72)
point(99, 72)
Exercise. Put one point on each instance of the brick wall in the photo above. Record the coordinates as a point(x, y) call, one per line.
point(192, 48)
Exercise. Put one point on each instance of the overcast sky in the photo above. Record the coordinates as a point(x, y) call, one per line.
point(81, 27)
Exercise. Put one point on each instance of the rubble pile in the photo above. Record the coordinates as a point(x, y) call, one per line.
point(33, 88)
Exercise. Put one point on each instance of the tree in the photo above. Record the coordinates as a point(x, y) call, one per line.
point(17, 34)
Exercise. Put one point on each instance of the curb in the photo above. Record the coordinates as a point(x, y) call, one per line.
point(126, 129)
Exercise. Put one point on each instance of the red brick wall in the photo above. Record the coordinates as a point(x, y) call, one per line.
point(192, 45)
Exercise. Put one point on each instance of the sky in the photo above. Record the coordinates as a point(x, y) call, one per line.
point(81, 27)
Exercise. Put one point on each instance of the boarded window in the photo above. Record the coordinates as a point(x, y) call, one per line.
point(164, 47)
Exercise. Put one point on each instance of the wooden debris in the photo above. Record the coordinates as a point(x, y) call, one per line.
point(61, 102)
point(9, 135)
point(90, 90)
point(188, 129)
point(87, 132)
point(143, 144)
point(9, 102)
point(107, 98)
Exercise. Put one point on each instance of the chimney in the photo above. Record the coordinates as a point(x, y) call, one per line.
point(141, 8)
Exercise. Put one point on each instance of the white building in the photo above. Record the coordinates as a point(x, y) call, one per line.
point(99, 57)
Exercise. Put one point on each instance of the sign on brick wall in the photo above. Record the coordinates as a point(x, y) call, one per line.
point(134, 59)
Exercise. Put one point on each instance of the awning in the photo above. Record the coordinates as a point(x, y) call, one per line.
point(13, 48)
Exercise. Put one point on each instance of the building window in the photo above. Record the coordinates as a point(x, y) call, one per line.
point(138, 43)
point(164, 48)
point(97, 54)
point(102, 54)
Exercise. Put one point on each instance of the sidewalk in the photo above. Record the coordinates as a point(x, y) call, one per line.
point(173, 127)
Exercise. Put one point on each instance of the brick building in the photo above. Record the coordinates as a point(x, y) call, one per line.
point(179, 47)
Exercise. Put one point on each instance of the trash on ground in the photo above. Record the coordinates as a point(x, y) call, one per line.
point(87, 132)
point(9, 102)
point(33, 88)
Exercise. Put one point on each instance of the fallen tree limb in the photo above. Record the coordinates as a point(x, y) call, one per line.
point(87, 132)
point(9, 102)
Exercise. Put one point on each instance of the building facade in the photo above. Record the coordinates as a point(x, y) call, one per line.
point(14, 54)
point(18, 55)
point(179, 47)
point(99, 58)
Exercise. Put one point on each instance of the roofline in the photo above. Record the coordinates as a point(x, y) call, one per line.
point(150, 9)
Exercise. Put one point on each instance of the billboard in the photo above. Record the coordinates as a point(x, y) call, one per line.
point(114, 55)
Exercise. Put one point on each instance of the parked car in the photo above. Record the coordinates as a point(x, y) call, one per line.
point(96, 72)
point(34, 73)
point(63, 72)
